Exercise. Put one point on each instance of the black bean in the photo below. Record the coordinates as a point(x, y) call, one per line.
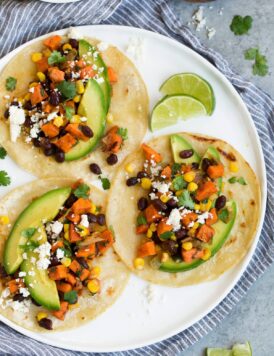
point(172, 203)
point(220, 202)
point(36, 142)
point(186, 153)
point(45, 323)
point(159, 205)
point(87, 131)
point(101, 219)
point(155, 238)
point(132, 181)
point(45, 143)
point(3, 273)
point(195, 165)
point(18, 298)
point(27, 105)
point(59, 156)
point(73, 42)
point(6, 114)
point(39, 107)
point(14, 103)
point(54, 261)
point(83, 262)
point(92, 218)
point(95, 168)
point(54, 98)
point(205, 164)
point(142, 203)
point(169, 246)
point(49, 151)
point(70, 201)
point(141, 174)
point(68, 75)
point(62, 132)
point(181, 234)
point(27, 122)
point(112, 159)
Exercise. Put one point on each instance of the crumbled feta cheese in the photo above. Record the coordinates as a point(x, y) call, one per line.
point(51, 116)
point(174, 219)
point(102, 46)
point(162, 187)
point(34, 131)
point(22, 274)
point(202, 218)
point(74, 33)
point(75, 75)
point(56, 227)
point(153, 196)
point(33, 260)
point(44, 254)
point(17, 118)
point(25, 256)
point(94, 67)
point(5, 293)
point(210, 32)
point(31, 90)
point(84, 220)
point(24, 291)
point(135, 48)
point(100, 80)
point(83, 119)
point(60, 254)
point(198, 19)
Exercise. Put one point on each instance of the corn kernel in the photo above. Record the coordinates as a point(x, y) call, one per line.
point(110, 118)
point(187, 246)
point(178, 193)
point(129, 168)
point(33, 84)
point(76, 119)
point(95, 271)
point(37, 56)
point(66, 235)
point(233, 167)
point(46, 52)
point(149, 233)
point(146, 183)
point(94, 286)
point(41, 76)
point(164, 257)
point(197, 206)
point(192, 187)
point(208, 205)
point(139, 263)
point(153, 227)
point(93, 209)
point(66, 227)
point(173, 237)
point(207, 254)
point(189, 176)
point(73, 306)
point(203, 206)
point(58, 121)
point(84, 231)
point(80, 87)
point(67, 47)
point(41, 315)
point(27, 97)
point(4, 220)
point(164, 198)
point(77, 98)
point(66, 261)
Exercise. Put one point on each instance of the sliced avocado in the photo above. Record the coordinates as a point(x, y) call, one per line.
point(178, 144)
point(42, 289)
point(88, 51)
point(44, 208)
point(222, 231)
point(92, 107)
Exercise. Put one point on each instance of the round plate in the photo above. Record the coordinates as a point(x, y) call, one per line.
point(145, 315)
point(60, 1)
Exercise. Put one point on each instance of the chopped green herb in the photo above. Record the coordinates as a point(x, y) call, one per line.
point(178, 183)
point(67, 89)
point(82, 191)
point(239, 180)
point(232, 180)
point(251, 53)
point(28, 232)
point(141, 220)
point(4, 178)
point(3, 153)
point(69, 112)
point(166, 235)
point(260, 66)
point(71, 297)
point(11, 83)
point(67, 253)
point(186, 200)
point(224, 215)
point(56, 58)
point(123, 133)
point(30, 246)
point(176, 168)
point(241, 25)
point(105, 183)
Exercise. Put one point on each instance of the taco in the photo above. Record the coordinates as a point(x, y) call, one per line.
point(65, 105)
point(189, 212)
point(58, 269)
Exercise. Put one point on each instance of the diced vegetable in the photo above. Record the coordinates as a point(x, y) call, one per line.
point(112, 75)
point(60, 314)
point(65, 143)
point(150, 154)
point(81, 206)
point(53, 42)
point(73, 234)
point(141, 229)
point(147, 249)
point(74, 129)
point(163, 227)
point(107, 242)
point(206, 190)
point(56, 75)
point(205, 233)
point(215, 171)
point(50, 130)
point(38, 94)
point(74, 267)
point(113, 141)
point(58, 272)
point(212, 220)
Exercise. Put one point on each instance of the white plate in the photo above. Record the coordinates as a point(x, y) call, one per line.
point(133, 322)
point(60, 1)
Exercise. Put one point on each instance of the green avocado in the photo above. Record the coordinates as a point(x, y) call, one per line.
point(42, 209)
point(178, 144)
point(91, 107)
point(222, 231)
point(42, 289)
point(87, 50)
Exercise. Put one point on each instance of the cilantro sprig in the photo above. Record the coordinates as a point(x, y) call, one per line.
point(224, 215)
point(260, 66)
point(239, 180)
point(3, 153)
point(241, 25)
point(29, 232)
point(141, 220)
point(185, 200)
point(71, 297)
point(105, 183)
point(82, 191)
point(4, 178)
point(56, 58)
point(69, 111)
point(123, 132)
point(178, 183)
point(166, 235)
point(11, 83)
point(67, 89)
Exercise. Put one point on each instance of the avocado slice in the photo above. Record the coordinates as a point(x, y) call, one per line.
point(92, 107)
point(87, 50)
point(42, 289)
point(178, 144)
point(44, 208)
point(222, 231)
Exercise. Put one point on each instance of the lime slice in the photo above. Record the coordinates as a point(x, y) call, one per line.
point(242, 349)
point(193, 85)
point(172, 108)
point(218, 352)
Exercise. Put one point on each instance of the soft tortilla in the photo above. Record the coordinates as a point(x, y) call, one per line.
point(129, 106)
point(122, 214)
point(114, 275)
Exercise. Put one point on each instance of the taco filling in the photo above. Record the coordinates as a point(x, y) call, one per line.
point(52, 252)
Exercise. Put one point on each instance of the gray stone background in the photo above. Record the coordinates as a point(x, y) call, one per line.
point(253, 318)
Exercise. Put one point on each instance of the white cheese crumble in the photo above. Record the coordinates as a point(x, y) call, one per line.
point(22, 274)
point(102, 46)
point(210, 32)
point(25, 256)
point(56, 227)
point(60, 254)
point(174, 219)
point(17, 118)
point(135, 48)
point(84, 220)
point(161, 187)
point(44, 254)
point(74, 33)
point(202, 218)
point(198, 19)
point(24, 291)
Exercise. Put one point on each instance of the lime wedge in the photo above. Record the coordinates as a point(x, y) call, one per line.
point(193, 85)
point(242, 349)
point(218, 352)
point(172, 108)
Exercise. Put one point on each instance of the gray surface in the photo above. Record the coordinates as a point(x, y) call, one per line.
point(253, 318)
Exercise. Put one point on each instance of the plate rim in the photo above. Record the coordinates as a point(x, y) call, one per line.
point(248, 257)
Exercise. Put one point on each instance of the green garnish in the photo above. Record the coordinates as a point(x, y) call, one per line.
point(260, 66)
point(178, 183)
point(55, 58)
point(241, 25)
point(176, 168)
point(105, 183)
point(30, 246)
point(11, 83)
point(67, 89)
point(166, 235)
point(69, 112)
point(71, 297)
point(123, 133)
point(4, 178)
point(3, 153)
point(82, 191)
point(224, 215)
point(185, 200)
point(141, 220)
point(239, 180)
point(28, 232)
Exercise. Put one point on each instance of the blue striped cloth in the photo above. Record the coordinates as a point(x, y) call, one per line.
point(24, 20)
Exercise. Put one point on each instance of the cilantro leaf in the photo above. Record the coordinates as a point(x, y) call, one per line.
point(260, 66)
point(4, 178)
point(3, 153)
point(67, 89)
point(69, 111)
point(166, 235)
point(30, 246)
point(176, 167)
point(178, 183)
point(28, 232)
point(241, 25)
point(11, 83)
point(239, 180)
point(250, 53)
point(224, 215)
point(105, 183)
point(123, 132)
point(71, 297)
point(82, 191)
point(141, 220)
point(55, 58)
point(232, 180)
point(186, 200)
